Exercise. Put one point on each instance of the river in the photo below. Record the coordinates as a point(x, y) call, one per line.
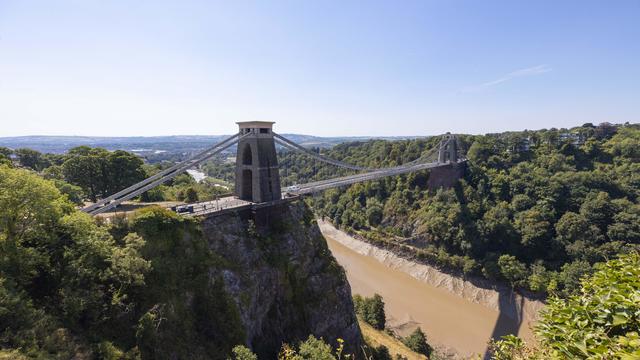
point(450, 321)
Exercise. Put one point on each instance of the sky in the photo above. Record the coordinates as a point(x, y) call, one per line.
point(326, 68)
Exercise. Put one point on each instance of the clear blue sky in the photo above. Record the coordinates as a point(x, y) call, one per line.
point(89, 67)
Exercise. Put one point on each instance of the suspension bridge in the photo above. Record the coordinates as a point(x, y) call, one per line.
point(257, 181)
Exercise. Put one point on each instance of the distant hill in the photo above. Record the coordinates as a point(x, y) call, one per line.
point(158, 144)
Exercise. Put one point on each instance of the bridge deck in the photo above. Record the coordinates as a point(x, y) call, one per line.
point(225, 205)
point(231, 203)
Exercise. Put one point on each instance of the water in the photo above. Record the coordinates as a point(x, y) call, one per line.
point(448, 320)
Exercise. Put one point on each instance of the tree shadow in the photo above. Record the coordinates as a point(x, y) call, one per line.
point(510, 317)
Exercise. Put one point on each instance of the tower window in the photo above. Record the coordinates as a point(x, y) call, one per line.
point(264, 131)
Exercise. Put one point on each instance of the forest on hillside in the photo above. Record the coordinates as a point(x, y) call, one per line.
point(535, 209)
point(552, 211)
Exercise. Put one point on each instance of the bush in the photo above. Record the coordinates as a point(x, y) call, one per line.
point(601, 321)
point(241, 352)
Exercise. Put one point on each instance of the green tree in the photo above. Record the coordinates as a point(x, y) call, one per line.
point(599, 210)
point(601, 321)
point(31, 159)
point(315, 349)
point(124, 170)
point(191, 195)
point(481, 150)
point(417, 342)
point(626, 224)
point(5, 156)
point(371, 310)
point(374, 213)
point(534, 227)
point(513, 270)
point(101, 173)
point(241, 352)
point(87, 168)
point(29, 210)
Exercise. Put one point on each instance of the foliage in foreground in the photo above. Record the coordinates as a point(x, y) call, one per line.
point(602, 321)
point(71, 287)
point(310, 349)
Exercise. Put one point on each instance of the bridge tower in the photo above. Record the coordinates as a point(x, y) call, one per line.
point(448, 151)
point(448, 175)
point(257, 177)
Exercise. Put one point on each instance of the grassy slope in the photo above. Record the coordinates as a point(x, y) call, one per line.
point(375, 338)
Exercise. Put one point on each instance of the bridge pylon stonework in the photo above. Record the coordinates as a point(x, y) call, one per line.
point(448, 151)
point(257, 175)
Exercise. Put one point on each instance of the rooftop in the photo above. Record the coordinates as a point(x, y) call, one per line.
point(255, 124)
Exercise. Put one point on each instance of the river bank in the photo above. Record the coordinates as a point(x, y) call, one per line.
point(455, 313)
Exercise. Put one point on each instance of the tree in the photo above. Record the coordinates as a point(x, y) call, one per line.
point(101, 173)
point(241, 352)
point(30, 158)
point(601, 320)
point(29, 210)
point(315, 349)
point(371, 310)
point(374, 212)
point(626, 225)
point(513, 270)
point(571, 274)
point(191, 195)
point(577, 235)
point(598, 209)
point(5, 160)
point(481, 149)
point(417, 342)
point(6, 151)
point(87, 168)
point(74, 193)
point(310, 349)
point(124, 170)
point(534, 227)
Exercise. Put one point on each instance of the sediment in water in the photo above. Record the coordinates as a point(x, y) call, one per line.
point(480, 291)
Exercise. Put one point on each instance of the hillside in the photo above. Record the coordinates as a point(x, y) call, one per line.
point(535, 209)
point(158, 286)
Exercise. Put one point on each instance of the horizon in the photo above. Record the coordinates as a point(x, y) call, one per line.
point(122, 69)
point(297, 134)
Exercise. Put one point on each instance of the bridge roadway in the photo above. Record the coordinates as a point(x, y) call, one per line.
point(232, 203)
point(316, 186)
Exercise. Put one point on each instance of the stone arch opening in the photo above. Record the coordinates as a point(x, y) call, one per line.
point(247, 185)
point(247, 156)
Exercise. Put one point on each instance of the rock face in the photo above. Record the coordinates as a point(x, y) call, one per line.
point(282, 278)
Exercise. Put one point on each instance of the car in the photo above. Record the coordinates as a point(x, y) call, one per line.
point(293, 188)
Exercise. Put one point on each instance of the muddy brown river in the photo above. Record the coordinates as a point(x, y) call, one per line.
point(449, 321)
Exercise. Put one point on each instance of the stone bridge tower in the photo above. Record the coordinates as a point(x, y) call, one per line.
point(448, 151)
point(257, 177)
point(448, 175)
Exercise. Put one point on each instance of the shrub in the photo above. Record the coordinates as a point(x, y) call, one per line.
point(417, 342)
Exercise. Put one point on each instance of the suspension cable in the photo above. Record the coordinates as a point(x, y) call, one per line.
point(147, 185)
point(160, 174)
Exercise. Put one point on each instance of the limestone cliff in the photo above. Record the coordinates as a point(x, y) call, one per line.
point(284, 281)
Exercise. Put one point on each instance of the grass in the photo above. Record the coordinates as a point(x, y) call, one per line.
point(375, 337)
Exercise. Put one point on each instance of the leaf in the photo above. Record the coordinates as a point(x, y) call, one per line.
point(619, 319)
